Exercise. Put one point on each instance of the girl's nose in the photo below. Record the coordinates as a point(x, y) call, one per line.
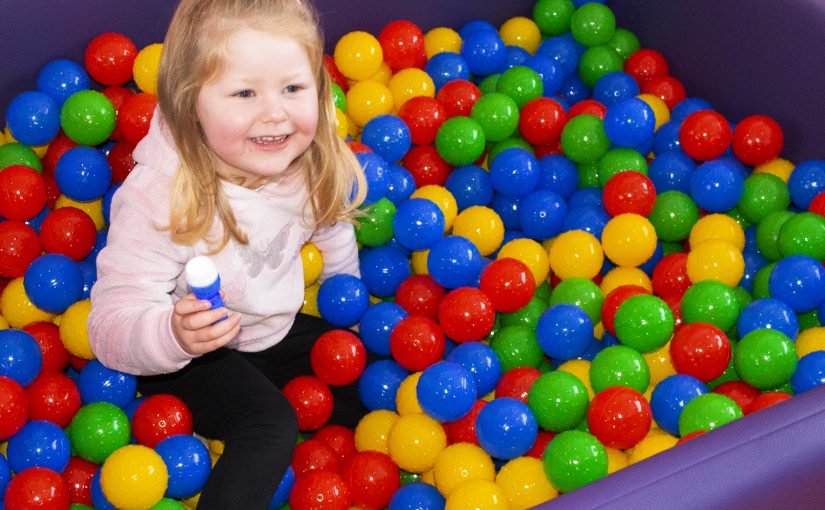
point(273, 109)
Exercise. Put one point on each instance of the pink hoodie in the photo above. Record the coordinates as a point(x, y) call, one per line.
point(140, 269)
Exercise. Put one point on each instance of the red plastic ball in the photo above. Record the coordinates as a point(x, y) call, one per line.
point(541, 121)
point(337, 76)
point(134, 116)
point(463, 430)
point(667, 88)
point(314, 455)
point(357, 147)
point(57, 147)
point(402, 43)
point(160, 416)
point(542, 440)
point(311, 399)
point(319, 490)
point(670, 275)
point(766, 400)
point(613, 300)
point(705, 135)
point(739, 391)
point(645, 64)
point(817, 205)
point(417, 342)
point(338, 357)
point(550, 148)
point(121, 160)
point(77, 363)
point(420, 295)
point(701, 350)
point(109, 58)
point(516, 383)
point(37, 488)
point(757, 139)
point(117, 96)
point(629, 192)
point(508, 283)
point(14, 407)
point(619, 417)
point(53, 397)
point(423, 115)
point(458, 97)
point(426, 166)
point(466, 314)
point(674, 301)
point(47, 336)
point(22, 193)
point(78, 477)
point(587, 107)
point(19, 246)
point(341, 439)
point(695, 433)
point(53, 192)
point(372, 478)
point(68, 231)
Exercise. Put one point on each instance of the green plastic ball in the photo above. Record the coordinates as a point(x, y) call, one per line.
point(574, 459)
point(673, 216)
point(521, 84)
point(598, 61)
point(583, 139)
point(581, 292)
point(644, 322)
point(624, 42)
point(375, 228)
point(619, 160)
point(763, 194)
point(18, 154)
point(730, 373)
point(88, 117)
point(767, 233)
point(543, 291)
point(713, 302)
point(589, 175)
point(593, 24)
point(553, 16)
point(514, 142)
point(488, 84)
point(97, 430)
point(765, 359)
point(559, 401)
point(761, 286)
point(517, 346)
point(526, 316)
point(707, 412)
point(460, 141)
point(339, 97)
point(808, 320)
point(619, 365)
point(168, 504)
point(497, 114)
point(803, 234)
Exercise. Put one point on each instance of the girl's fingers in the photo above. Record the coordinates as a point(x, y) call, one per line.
point(220, 334)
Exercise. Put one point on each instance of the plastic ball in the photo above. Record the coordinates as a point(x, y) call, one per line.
point(715, 260)
point(593, 24)
point(576, 254)
point(799, 281)
point(53, 397)
point(768, 313)
point(460, 462)
point(466, 314)
point(379, 383)
point(376, 325)
point(564, 331)
point(629, 192)
point(806, 181)
point(717, 226)
point(441, 197)
point(619, 417)
point(134, 116)
point(481, 361)
point(97, 430)
point(406, 400)
point(802, 234)
point(446, 391)
point(53, 282)
point(670, 170)
point(415, 442)
point(20, 356)
point(542, 214)
point(454, 262)
point(19, 246)
point(520, 83)
point(460, 141)
point(388, 136)
point(358, 55)
point(716, 186)
point(14, 411)
point(61, 78)
point(481, 226)
point(418, 224)
point(596, 62)
point(37, 487)
point(109, 58)
point(160, 416)
point(375, 174)
point(810, 372)
point(644, 322)
point(506, 428)
point(763, 194)
point(88, 117)
point(497, 114)
point(619, 365)
point(416, 342)
point(188, 464)
point(33, 118)
point(23, 193)
point(446, 67)
point(629, 239)
point(417, 496)
point(402, 44)
point(508, 283)
point(311, 399)
point(476, 493)
point(765, 359)
point(18, 310)
point(368, 99)
point(98, 383)
point(707, 412)
point(757, 139)
point(423, 116)
point(338, 358)
point(372, 478)
point(375, 229)
point(525, 483)
point(584, 139)
point(68, 231)
point(39, 444)
point(383, 269)
point(700, 350)
point(629, 122)
point(559, 401)
point(574, 459)
point(342, 300)
point(484, 51)
point(670, 396)
point(145, 68)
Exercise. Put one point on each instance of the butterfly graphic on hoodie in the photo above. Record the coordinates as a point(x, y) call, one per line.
point(272, 255)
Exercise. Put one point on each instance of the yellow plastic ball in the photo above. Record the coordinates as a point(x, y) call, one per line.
point(576, 254)
point(482, 226)
point(619, 276)
point(7, 137)
point(310, 304)
point(192, 503)
point(460, 462)
point(341, 124)
point(443, 199)
point(358, 55)
point(409, 83)
point(478, 494)
point(525, 484)
point(418, 260)
point(616, 459)
point(441, 39)
point(531, 253)
point(651, 445)
point(4, 324)
point(3, 140)
point(522, 32)
point(73, 331)
point(406, 399)
point(94, 209)
point(428, 477)
point(353, 129)
point(216, 446)
point(581, 369)
point(382, 75)
point(313, 263)
point(415, 442)
point(660, 364)
point(134, 477)
point(372, 431)
point(718, 226)
point(368, 99)
point(810, 340)
point(145, 68)
point(779, 167)
point(629, 239)
point(715, 259)
point(659, 107)
point(17, 308)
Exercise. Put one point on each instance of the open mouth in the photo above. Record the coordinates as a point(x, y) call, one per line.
point(269, 140)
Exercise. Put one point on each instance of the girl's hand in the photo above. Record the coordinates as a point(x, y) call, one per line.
point(195, 328)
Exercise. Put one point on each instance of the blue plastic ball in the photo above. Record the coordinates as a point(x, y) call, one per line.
point(445, 67)
point(20, 356)
point(687, 106)
point(38, 220)
point(806, 181)
point(53, 282)
point(564, 331)
point(379, 384)
point(629, 122)
point(564, 50)
point(470, 185)
point(586, 196)
point(400, 184)
point(89, 271)
point(188, 463)
point(474, 25)
point(716, 187)
point(514, 56)
point(482, 362)
point(454, 262)
point(666, 139)
point(515, 172)
point(810, 372)
point(614, 87)
point(98, 383)
point(671, 171)
point(132, 406)
point(83, 174)
point(281, 496)
point(417, 496)
point(383, 269)
point(484, 52)
point(670, 396)
point(33, 118)
point(5, 474)
point(542, 214)
point(768, 313)
point(375, 172)
point(98, 498)
point(558, 174)
point(342, 300)
point(550, 71)
point(507, 208)
point(506, 428)
point(418, 223)
point(590, 218)
point(107, 201)
point(388, 136)
point(573, 89)
point(446, 391)
point(61, 78)
point(799, 282)
point(376, 325)
point(39, 443)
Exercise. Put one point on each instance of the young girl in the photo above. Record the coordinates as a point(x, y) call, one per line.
point(242, 163)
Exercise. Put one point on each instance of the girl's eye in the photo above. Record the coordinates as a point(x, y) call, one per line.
point(245, 93)
point(293, 88)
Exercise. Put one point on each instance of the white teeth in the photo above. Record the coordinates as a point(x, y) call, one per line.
point(269, 139)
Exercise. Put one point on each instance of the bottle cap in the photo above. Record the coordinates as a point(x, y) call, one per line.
point(200, 272)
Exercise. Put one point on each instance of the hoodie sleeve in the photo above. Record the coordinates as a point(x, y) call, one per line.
point(338, 248)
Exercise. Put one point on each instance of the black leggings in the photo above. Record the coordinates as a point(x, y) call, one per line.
point(235, 397)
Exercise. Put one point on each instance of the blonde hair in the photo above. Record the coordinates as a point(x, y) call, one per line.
point(193, 53)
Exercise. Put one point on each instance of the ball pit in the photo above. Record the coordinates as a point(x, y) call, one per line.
point(659, 234)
